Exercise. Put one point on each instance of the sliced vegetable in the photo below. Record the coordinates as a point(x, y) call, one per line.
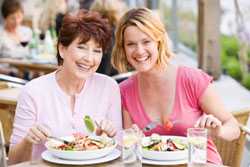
point(89, 123)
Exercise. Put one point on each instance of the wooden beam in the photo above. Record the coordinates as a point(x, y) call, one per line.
point(208, 37)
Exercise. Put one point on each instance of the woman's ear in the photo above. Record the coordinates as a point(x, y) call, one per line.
point(61, 50)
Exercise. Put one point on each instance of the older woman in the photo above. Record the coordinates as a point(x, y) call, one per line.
point(161, 97)
point(55, 104)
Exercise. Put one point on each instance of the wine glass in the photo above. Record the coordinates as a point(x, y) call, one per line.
point(24, 43)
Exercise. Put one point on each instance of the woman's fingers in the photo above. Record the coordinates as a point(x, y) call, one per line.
point(44, 130)
point(106, 126)
point(32, 138)
point(37, 134)
point(208, 121)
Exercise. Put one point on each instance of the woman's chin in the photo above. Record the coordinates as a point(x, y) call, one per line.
point(84, 75)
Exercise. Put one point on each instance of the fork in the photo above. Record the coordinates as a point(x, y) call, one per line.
point(154, 124)
point(61, 140)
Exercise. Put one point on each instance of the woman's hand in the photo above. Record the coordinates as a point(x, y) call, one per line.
point(106, 127)
point(210, 122)
point(37, 134)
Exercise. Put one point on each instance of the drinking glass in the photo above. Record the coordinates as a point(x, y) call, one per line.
point(131, 148)
point(197, 146)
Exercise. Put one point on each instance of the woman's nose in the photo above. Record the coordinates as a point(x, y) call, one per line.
point(87, 56)
point(140, 48)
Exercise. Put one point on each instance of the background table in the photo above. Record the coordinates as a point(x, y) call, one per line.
point(24, 65)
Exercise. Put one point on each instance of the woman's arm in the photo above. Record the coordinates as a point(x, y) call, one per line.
point(25, 130)
point(20, 152)
point(114, 115)
point(221, 122)
point(127, 122)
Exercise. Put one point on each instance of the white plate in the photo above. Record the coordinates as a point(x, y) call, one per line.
point(154, 162)
point(166, 155)
point(47, 156)
point(79, 155)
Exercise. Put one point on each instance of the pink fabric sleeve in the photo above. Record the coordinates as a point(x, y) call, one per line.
point(196, 82)
point(25, 117)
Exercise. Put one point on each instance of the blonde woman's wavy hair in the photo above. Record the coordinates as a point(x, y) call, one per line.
point(147, 22)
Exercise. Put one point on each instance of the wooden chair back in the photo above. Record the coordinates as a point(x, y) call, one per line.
point(231, 151)
point(3, 162)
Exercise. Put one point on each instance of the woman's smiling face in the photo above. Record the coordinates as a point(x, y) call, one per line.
point(140, 49)
point(81, 59)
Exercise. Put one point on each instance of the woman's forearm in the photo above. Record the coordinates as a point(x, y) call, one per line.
point(230, 130)
point(20, 152)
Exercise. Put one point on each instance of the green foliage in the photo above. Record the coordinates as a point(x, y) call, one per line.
point(224, 58)
point(246, 81)
point(230, 45)
point(233, 68)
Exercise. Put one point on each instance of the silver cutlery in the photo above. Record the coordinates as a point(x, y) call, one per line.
point(61, 140)
point(154, 124)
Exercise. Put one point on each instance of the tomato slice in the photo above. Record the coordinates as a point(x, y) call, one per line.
point(168, 125)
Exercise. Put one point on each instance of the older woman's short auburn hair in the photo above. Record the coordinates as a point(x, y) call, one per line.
point(150, 24)
point(84, 25)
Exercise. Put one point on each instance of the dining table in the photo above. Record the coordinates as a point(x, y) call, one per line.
point(114, 163)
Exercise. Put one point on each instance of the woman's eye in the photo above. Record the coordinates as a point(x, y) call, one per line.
point(130, 44)
point(82, 47)
point(146, 42)
point(97, 50)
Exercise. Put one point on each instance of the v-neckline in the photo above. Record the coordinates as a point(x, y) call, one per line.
point(148, 119)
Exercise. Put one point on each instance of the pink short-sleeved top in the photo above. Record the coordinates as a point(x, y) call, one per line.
point(43, 102)
point(190, 85)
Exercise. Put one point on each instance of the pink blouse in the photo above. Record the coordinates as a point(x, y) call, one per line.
point(190, 85)
point(43, 102)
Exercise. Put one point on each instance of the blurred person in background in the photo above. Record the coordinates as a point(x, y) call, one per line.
point(85, 4)
point(112, 10)
point(70, 6)
point(51, 10)
point(14, 37)
point(55, 104)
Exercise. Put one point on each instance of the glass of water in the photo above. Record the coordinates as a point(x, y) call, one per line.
point(131, 148)
point(197, 146)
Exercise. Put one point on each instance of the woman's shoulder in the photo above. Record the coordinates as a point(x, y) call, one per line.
point(41, 83)
point(191, 73)
point(103, 79)
point(128, 83)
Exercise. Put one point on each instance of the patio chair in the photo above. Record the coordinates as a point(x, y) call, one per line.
point(12, 79)
point(120, 77)
point(232, 151)
point(3, 161)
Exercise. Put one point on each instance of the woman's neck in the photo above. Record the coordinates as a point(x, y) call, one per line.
point(68, 83)
point(156, 76)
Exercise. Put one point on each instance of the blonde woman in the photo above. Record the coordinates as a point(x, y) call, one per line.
point(173, 98)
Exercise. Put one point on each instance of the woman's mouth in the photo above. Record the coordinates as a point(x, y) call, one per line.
point(142, 59)
point(83, 67)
